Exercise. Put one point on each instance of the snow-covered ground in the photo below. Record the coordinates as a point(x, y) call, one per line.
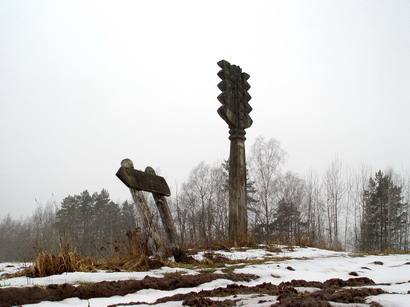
point(12, 267)
point(309, 264)
point(261, 253)
point(84, 277)
point(332, 265)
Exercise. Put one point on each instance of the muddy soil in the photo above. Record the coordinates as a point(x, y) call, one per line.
point(204, 302)
point(30, 295)
point(233, 289)
point(323, 297)
point(334, 282)
point(331, 290)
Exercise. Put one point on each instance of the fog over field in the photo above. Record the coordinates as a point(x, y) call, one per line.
point(126, 178)
point(85, 84)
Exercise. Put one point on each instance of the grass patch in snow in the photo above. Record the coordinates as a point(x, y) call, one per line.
point(176, 274)
point(222, 262)
point(383, 253)
point(47, 264)
point(207, 270)
point(227, 265)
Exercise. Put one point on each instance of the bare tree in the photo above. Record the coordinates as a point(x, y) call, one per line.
point(42, 222)
point(314, 208)
point(201, 184)
point(220, 201)
point(335, 189)
point(350, 196)
point(288, 219)
point(266, 157)
point(188, 204)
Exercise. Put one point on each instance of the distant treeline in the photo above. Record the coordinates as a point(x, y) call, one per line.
point(93, 225)
point(339, 209)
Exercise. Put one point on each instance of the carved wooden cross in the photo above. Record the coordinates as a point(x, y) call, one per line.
point(138, 181)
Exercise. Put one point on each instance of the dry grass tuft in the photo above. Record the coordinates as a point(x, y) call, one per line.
point(290, 248)
point(130, 263)
point(131, 256)
point(47, 264)
point(221, 244)
point(273, 249)
point(378, 253)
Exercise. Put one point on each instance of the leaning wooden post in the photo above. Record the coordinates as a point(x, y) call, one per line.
point(166, 217)
point(235, 111)
point(154, 243)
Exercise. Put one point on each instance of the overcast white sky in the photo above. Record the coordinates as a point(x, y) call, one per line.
point(84, 84)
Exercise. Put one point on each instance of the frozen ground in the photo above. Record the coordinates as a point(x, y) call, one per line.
point(11, 267)
point(309, 264)
point(84, 277)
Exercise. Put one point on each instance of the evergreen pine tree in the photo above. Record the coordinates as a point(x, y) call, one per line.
point(384, 216)
point(287, 222)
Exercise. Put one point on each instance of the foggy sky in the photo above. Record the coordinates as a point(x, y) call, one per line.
point(84, 84)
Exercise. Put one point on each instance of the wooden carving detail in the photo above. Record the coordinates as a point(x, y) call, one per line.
point(235, 98)
point(235, 111)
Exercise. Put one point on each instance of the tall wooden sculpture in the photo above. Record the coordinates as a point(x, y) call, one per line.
point(235, 111)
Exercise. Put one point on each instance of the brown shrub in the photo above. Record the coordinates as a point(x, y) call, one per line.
point(273, 249)
point(130, 255)
point(47, 264)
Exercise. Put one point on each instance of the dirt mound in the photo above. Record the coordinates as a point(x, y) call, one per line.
point(204, 302)
point(334, 282)
point(233, 289)
point(323, 297)
point(287, 294)
point(306, 302)
point(354, 295)
point(303, 283)
point(184, 258)
point(216, 258)
point(31, 295)
point(331, 290)
point(351, 282)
